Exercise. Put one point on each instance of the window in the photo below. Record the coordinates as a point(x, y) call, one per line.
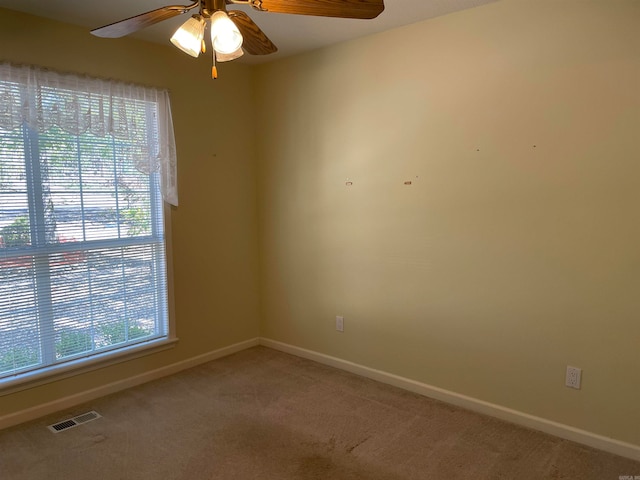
point(83, 171)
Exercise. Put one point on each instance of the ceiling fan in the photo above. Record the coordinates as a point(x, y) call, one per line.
point(233, 32)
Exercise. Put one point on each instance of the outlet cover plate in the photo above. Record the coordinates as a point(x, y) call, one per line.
point(340, 323)
point(573, 377)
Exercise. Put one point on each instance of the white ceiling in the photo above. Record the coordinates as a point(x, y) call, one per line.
point(291, 33)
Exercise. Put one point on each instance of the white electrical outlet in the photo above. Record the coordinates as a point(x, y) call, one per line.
point(340, 324)
point(573, 377)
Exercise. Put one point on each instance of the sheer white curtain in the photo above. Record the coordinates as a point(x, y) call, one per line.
point(44, 99)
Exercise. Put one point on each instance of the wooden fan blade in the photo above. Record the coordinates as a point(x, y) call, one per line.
point(255, 41)
point(365, 9)
point(138, 22)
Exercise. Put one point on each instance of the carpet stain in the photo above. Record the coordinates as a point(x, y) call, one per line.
point(352, 448)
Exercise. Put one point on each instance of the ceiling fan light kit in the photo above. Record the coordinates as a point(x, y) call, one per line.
point(233, 33)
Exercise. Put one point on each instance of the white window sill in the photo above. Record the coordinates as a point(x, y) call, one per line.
point(46, 375)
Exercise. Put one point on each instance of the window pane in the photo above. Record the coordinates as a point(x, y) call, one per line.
point(105, 297)
point(19, 329)
point(14, 205)
point(94, 194)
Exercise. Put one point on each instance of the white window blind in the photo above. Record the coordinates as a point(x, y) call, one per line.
point(82, 252)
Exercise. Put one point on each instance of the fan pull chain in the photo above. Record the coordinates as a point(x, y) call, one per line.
point(214, 69)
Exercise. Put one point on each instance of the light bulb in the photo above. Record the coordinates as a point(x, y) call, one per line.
point(225, 36)
point(188, 37)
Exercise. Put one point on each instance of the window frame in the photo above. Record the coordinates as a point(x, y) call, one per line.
point(52, 372)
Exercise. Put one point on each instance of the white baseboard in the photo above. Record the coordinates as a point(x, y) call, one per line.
point(88, 395)
point(513, 416)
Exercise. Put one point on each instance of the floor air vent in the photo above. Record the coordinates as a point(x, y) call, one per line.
point(74, 422)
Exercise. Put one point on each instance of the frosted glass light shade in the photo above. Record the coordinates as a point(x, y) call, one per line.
point(188, 37)
point(225, 36)
point(225, 57)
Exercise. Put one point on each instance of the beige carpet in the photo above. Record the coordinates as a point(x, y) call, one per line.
point(262, 414)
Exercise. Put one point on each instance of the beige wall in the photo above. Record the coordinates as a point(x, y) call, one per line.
point(214, 228)
point(515, 251)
